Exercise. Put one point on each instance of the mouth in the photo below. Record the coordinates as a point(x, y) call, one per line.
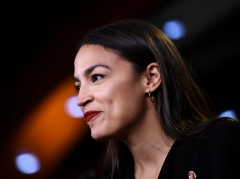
point(90, 114)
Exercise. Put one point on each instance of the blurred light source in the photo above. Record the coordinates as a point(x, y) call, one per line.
point(72, 109)
point(228, 113)
point(27, 163)
point(174, 29)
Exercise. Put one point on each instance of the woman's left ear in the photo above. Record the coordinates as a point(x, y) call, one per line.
point(153, 77)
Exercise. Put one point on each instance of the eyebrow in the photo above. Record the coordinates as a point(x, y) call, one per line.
point(90, 69)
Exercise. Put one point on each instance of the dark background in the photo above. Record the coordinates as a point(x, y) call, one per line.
point(39, 41)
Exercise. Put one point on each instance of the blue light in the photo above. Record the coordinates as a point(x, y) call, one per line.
point(174, 29)
point(228, 113)
point(27, 163)
point(72, 109)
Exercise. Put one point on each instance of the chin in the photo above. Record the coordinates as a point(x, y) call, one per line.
point(99, 137)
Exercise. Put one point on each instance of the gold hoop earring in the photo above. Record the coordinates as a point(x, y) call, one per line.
point(151, 97)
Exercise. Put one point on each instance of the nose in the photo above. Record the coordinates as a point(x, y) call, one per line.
point(84, 97)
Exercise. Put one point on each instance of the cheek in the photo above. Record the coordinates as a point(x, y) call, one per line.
point(112, 99)
point(119, 98)
point(127, 100)
point(104, 96)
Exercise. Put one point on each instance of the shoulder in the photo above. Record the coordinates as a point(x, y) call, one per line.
point(222, 140)
point(107, 176)
point(219, 140)
point(223, 129)
point(217, 149)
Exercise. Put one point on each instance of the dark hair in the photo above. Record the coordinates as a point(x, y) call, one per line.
point(182, 107)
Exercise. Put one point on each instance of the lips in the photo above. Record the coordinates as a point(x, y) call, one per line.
point(90, 114)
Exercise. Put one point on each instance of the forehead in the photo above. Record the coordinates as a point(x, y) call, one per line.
point(90, 55)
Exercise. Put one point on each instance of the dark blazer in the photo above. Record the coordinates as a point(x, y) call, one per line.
point(213, 155)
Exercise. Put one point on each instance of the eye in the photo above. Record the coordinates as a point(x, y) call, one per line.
point(96, 77)
point(77, 87)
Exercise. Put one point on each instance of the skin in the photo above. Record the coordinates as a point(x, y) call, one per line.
point(108, 84)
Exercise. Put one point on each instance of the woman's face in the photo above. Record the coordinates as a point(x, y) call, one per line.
point(112, 99)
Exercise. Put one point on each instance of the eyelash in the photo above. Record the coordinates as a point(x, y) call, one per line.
point(78, 87)
point(93, 77)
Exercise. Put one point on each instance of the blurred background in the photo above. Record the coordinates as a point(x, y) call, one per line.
point(42, 132)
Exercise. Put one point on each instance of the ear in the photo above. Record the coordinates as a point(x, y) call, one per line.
point(152, 77)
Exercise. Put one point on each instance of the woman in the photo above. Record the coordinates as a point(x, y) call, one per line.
point(137, 94)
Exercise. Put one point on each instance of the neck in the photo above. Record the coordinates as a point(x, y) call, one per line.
point(149, 148)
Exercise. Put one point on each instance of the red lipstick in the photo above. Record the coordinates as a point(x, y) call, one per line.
point(90, 114)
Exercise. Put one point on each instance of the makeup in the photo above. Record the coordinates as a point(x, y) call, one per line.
point(90, 114)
